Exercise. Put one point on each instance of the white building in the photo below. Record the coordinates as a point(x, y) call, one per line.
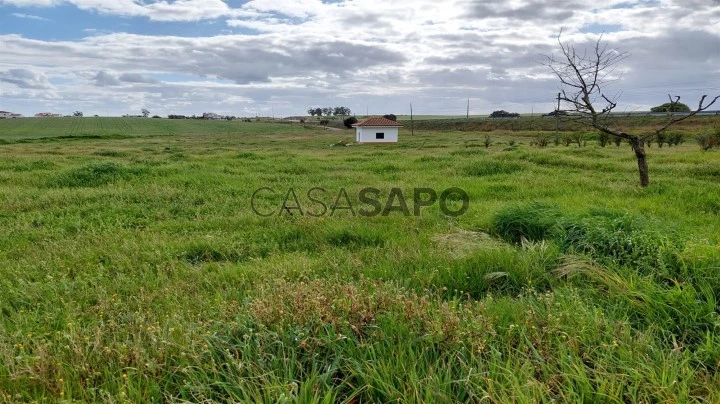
point(6, 114)
point(211, 115)
point(377, 130)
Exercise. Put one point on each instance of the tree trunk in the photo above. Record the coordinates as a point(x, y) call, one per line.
point(639, 150)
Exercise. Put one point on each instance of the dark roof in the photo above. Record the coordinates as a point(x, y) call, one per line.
point(377, 121)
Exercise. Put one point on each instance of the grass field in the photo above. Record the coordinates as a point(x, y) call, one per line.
point(132, 267)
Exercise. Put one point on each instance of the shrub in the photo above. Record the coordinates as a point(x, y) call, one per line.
point(579, 138)
point(675, 139)
point(488, 141)
point(567, 140)
point(504, 114)
point(709, 141)
point(391, 117)
point(349, 122)
point(705, 141)
point(603, 139)
point(671, 107)
point(540, 141)
point(660, 138)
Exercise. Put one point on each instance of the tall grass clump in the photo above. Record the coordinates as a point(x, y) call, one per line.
point(532, 221)
point(94, 175)
point(491, 167)
point(611, 238)
point(623, 239)
point(500, 269)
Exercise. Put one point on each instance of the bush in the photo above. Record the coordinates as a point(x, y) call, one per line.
point(671, 107)
point(674, 139)
point(709, 141)
point(603, 139)
point(579, 138)
point(391, 117)
point(567, 140)
point(541, 141)
point(504, 114)
point(559, 113)
point(349, 122)
point(488, 141)
point(660, 138)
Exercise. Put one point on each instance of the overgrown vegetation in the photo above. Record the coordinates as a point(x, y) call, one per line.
point(135, 270)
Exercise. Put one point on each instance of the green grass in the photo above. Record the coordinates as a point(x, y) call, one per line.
point(134, 269)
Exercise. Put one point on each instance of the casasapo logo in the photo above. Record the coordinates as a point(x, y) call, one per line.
point(318, 202)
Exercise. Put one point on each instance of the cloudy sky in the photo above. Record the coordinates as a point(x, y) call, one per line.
point(112, 57)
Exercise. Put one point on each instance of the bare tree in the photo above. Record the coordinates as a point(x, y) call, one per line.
point(584, 78)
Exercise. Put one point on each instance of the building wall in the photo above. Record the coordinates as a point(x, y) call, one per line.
point(367, 134)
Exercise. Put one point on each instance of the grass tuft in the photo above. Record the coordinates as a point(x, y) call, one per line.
point(491, 167)
point(532, 221)
point(94, 175)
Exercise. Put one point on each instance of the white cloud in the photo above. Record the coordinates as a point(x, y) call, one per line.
point(365, 52)
point(25, 78)
point(29, 16)
point(30, 3)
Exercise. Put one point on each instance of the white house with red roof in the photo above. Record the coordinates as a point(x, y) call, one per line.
point(377, 130)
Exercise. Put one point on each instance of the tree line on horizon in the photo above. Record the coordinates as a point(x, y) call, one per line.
point(329, 111)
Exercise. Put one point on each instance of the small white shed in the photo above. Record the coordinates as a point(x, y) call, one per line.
point(377, 130)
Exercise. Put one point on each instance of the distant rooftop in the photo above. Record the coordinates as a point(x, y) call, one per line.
point(377, 121)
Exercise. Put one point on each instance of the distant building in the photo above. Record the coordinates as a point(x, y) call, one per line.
point(6, 114)
point(377, 130)
point(47, 115)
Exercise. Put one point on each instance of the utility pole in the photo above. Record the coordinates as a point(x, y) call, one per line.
point(557, 117)
point(412, 123)
point(467, 116)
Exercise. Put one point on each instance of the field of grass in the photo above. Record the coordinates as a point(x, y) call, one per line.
point(132, 267)
point(42, 129)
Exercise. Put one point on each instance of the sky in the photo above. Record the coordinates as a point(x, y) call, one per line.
point(281, 57)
